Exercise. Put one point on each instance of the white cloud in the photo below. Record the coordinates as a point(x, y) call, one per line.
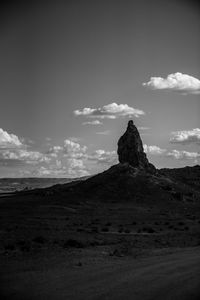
point(71, 168)
point(74, 150)
point(154, 150)
point(110, 111)
point(105, 157)
point(76, 168)
point(30, 157)
point(55, 149)
point(186, 136)
point(95, 122)
point(183, 154)
point(9, 140)
point(177, 81)
point(48, 172)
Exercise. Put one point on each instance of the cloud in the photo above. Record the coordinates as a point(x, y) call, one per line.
point(48, 172)
point(176, 154)
point(186, 136)
point(9, 140)
point(154, 150)
point(76, 168)
point(29, 157)
point(71, 168)
point(185, 155)
point(105, 157)
point(54, 150)
point(177, 82)
point(106, 132)
point(110, 111)
point(74, 150)
point(95, 122)
point(143, 128)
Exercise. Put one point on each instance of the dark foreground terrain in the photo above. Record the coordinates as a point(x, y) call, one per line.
point(72, 242)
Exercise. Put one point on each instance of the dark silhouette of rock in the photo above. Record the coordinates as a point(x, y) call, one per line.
point(130, 149)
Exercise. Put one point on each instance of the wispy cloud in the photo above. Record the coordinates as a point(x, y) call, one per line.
point(95, 122)
point(110, 111)
point(186, 136)
point(106, 132)
point(143, 128)
point(177, 82)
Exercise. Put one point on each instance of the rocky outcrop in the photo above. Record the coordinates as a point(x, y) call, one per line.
point(130, 149)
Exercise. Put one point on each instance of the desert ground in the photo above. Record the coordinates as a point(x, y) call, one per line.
point(53, 246)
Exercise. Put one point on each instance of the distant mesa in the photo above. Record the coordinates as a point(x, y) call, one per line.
point(130, 149)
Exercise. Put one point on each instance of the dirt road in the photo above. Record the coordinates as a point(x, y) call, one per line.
point(166, 277)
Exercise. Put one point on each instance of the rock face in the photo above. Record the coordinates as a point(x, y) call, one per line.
point(130, 149)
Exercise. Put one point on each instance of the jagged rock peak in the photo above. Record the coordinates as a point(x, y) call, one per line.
point(130, 149)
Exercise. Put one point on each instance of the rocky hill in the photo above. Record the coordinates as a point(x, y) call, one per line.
point(135, 179)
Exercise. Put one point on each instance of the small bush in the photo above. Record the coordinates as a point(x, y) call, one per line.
point(39, 239)
point(24, 245)
point(79, 229)
point(181, 223)
point(108, 224)
point(105, 229)
point(148, 229)
point(95, 229)
point(73, 244)
point(9, 247)
point(127, 231)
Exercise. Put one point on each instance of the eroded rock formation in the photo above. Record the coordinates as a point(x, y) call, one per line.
point(130, 149)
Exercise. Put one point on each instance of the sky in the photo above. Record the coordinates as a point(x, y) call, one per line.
point(72, 73)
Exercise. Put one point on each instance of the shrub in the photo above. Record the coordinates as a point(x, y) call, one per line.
point(9, 247)
point(148, 229)
point(105, 229)
point(24, 245)
point(73, 244)
point(181, 223)
point(39, 239)
point(127, 231)
point(95, 229)
point(108, 224)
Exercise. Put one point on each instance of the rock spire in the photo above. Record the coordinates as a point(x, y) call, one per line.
point(130, 149)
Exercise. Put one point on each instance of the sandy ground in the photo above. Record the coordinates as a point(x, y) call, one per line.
point(169, 276)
